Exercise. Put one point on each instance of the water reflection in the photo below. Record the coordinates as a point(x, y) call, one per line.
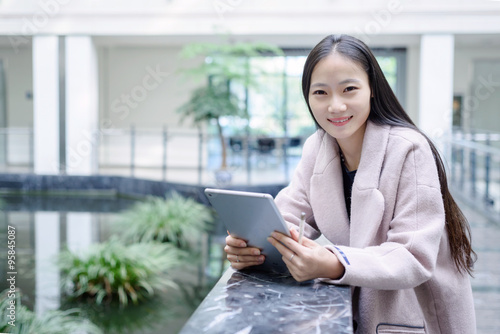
point(47, 245)
point(79, 231)
point(46, 225)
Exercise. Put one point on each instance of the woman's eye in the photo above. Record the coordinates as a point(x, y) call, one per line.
point(319, 92)
point(349, 89)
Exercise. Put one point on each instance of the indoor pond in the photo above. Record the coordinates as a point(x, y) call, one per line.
point(44, 227)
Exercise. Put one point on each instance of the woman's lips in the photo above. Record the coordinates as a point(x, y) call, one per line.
point(340, 121)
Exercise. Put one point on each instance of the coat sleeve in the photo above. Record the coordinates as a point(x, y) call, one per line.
point(407, 255)
point(294, 199)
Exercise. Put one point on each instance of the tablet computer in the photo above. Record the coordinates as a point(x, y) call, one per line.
point(252, 217)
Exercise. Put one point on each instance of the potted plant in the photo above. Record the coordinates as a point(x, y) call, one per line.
point(222, 66)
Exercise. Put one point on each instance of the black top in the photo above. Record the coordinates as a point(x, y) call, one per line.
point(348, 178)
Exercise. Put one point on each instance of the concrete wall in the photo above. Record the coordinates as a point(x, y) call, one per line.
point(477, 80)
point(142, 86)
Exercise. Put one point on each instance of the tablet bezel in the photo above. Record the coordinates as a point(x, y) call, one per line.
point(253, 217)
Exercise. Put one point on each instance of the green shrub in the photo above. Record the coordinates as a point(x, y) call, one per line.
point(148, 316)
point(114, 271)
point(176, 219)
point(51, 322)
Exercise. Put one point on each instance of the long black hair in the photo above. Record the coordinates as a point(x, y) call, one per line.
point(385, 109)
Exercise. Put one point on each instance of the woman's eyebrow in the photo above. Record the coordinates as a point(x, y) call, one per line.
point(319, 84)
point(349, 81)
point(343, 82)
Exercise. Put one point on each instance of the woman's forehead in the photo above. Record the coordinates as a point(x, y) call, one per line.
point(339, 65)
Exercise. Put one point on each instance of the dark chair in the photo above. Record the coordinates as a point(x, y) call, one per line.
point(294, 142)
point(266, 145)
point(236, 144)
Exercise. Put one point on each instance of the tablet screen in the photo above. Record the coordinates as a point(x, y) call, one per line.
point(252, 217)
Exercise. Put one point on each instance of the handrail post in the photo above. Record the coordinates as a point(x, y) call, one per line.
point(487, 173)
point(453, 149)
point(164, 161)
point(248, 153)
point(473, 171)
point(3, 146)
point(132, 149)
point(200, 157)
point(462, 164)
point(97, 145)
point(286, 166)
point(472, 157)
point(31, 149)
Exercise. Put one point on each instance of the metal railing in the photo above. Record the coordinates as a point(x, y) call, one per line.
point(193, 156)
point(475, 169)
point(177, 155)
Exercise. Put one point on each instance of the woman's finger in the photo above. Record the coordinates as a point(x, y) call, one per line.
point(240, 262)
point(241, 265)
point(285, 251)
point(241, 251)
point(305, 241)
point(245, 258)
point(235, 242)
point(283, 242)
point(294, 233)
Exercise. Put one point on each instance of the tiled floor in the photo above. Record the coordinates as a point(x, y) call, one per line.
point(486, 281)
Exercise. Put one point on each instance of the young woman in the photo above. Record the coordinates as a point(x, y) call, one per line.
point(376, 188)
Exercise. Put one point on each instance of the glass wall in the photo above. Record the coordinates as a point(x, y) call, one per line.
point(275, 104)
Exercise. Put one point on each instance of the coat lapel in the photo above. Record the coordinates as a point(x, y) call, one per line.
point(367, 207)
point(327, 193)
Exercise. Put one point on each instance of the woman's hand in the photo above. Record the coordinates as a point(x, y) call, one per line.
point(308, 260)
point(240, 255)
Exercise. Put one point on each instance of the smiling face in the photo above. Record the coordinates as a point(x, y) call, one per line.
point(339, 97)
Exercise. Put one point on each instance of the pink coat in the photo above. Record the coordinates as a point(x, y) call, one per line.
point(395, 247)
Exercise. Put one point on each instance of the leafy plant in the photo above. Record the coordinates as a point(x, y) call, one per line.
point(172, 308)
point(222, 65)
point(211, 103)
point(228, 61)
point(148, 316)
point(115, 271)
point(176, 219)
point(51, 322)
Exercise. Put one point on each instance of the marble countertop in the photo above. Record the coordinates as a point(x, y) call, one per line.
point(244, 302)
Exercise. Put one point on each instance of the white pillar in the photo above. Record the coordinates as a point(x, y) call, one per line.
point(46, 104)
point(78, 231)
point(81, 105)
point(436, 85)
point(47, 282)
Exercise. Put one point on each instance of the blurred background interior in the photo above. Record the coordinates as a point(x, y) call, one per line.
point(93, 88)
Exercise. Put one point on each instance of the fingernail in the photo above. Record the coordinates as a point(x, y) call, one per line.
point(256, 252)
point(243, 244)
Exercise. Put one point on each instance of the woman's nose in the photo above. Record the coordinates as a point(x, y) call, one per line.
point(336, 106)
